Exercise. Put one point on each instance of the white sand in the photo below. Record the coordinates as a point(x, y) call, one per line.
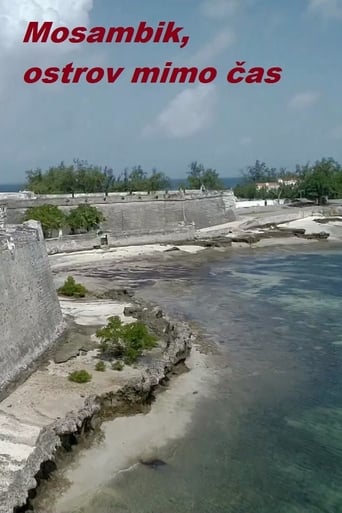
point(115, 254)
point(128, 439)
point(308, 224)
point(93, 313)
point(224, 226)
point(334, 228)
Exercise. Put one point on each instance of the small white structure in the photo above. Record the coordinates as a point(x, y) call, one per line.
point(274, 186)
point(3, 217)
point(11, 245)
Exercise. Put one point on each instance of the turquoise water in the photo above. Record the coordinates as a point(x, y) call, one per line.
point(271, 439)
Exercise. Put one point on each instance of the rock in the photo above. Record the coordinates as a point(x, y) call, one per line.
point(248, 238)
point(133, 311)
point(157, 312)
point(65, 432)
point(172, 249)
point(74, 345)
point(292, 231)
point(117, 294)
point(154, 463)
point(325, 220)
point(319, 236)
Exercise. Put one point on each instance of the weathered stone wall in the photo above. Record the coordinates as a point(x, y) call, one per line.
point(31, 318)
point(70, 243)
point(144, 214)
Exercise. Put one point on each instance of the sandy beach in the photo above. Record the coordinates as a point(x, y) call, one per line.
point(129, 439)
point(125, 253)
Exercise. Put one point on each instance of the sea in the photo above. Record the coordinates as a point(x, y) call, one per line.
point(269, 438)
point(11, 187)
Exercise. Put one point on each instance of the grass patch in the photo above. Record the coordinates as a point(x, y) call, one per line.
point(80, 376)
point(118, 365)
point(100, 366)
point(72, 289)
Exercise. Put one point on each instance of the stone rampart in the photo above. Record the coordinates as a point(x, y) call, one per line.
point(31, 318)
point(143, 213)
point(82, 242)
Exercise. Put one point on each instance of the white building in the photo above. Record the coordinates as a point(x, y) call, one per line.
point(274, 186)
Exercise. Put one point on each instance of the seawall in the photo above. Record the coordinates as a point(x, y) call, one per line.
point(127, 214)
point(31, 318)
point(70, 243)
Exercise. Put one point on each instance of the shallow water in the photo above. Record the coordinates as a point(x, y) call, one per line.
point(270, 440)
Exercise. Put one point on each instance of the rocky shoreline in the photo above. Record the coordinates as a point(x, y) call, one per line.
point(136, 393)
point(39, 436)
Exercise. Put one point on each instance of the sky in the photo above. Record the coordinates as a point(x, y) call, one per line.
point(167, 126)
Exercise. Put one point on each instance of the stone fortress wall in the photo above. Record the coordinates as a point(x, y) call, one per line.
point(31, 318)
point(30, 314)
point(140, 213)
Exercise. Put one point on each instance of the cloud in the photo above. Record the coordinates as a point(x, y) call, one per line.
point(15, 56)
point(28, 114)
point(304, 100)
point(15, 14)
point(223, 40)
point(326, 8)
point(189, 112)
point(192, 109)
point(218, 9)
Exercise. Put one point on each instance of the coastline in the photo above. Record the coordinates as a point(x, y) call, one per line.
point(128, 440)
point(39, 435)
point(48, 414)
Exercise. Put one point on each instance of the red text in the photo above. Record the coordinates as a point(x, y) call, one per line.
point(255, 75)
point(71, 75)
point(165, 32)
point(171, 75)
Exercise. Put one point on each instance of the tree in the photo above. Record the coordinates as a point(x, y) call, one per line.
point(89, 179)
point(61, 179)
point(198, 176)
point(158, 181)
point(56, 180)
point(247, 190)
point(50, 217)
point(322, 180)
point(137, 179)
point(319, 181)
point(84, 218)
point(195, 175)
point(81, 177)
point(34, 181)
point(109, 179)
point(126, 341)
point(259, 172)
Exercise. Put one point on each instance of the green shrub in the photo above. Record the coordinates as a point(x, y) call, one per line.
point(81, 376)
point(126, 341)
point(84, 218)
point(100, 366)
point(118, 365)
point(50, 217)
point(72, 289)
